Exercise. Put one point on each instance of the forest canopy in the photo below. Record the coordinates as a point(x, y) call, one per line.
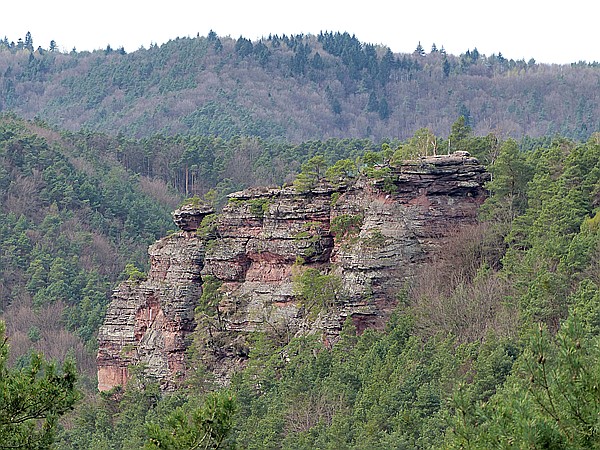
point(493, 345)
point(295, 88)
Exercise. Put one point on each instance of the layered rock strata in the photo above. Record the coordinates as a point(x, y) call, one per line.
point(367, 238)
point(148, 321)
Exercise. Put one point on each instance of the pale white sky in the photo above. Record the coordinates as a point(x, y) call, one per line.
point(550, 31)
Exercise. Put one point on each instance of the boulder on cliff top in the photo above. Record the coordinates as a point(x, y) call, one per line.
point(189, 216)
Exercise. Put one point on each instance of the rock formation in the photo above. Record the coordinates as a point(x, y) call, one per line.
point(358, 243)
point(148, 321)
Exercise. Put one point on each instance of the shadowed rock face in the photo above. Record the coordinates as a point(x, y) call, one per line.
point(370, 237)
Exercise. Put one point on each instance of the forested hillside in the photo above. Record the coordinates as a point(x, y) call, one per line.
point(493, 345)
point(71, 219)
point(296, 88)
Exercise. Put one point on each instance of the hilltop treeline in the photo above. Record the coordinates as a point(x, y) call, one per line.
point(295, 88)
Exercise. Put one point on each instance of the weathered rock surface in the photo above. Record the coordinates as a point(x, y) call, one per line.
point(149, 321)
point(371, 236)
point(188, 217)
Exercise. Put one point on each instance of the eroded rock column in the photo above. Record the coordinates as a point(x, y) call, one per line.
point(147, 321)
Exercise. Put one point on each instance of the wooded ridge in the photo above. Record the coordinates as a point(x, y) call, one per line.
point(295, 88)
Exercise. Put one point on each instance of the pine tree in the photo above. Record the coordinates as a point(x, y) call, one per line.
point(459, 133)
point(28, 42)
point(446, 67)
point(317, 62)
point(32, 399)
point(419, 50)
point(386, 66)
point(243, 47)
point(384, 109)
point(312, 173)
point(205, 427)
point(373, 103)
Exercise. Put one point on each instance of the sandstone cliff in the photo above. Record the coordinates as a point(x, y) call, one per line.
point(356, 244)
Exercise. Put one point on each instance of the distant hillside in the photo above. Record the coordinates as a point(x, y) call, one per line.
point(297, 88)
point(71, 218)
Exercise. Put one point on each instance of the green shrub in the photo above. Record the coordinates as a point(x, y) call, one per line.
point(316, 291)
point(133, 273)
point(208, 227)
point(346, 225)
point(375, 239)
point(194, 201)
point(259, 207)
point(211, 295)
point(334, 198)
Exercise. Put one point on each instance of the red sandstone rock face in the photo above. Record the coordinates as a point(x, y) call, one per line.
point(147, 322)
point(266, 236)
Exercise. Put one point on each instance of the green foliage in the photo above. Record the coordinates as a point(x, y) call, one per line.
point(134, 274)
point(302, 235)
point(211, 333)
point(342, 172)
point(550, 397)
point(510, 174)
point(117, 419)
point(32, 399)
point(316, 291)
point(208, 227)
point(404, 153)
point(547, 244)
point(346, 225)
point(334, 198)
point(550, 401)
point(308, 241)
point(210, 197)
point(423, 143)
point(376, 166)
point(591, 224)
point(369, 159)
point(194, 201)
point(34, 334)
point(459, 135)
point(259, 207)
point(211, 296)
point(311, 175)
point(384, 178)
point(375, 239)
point(205, 427)
point(376, 390)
